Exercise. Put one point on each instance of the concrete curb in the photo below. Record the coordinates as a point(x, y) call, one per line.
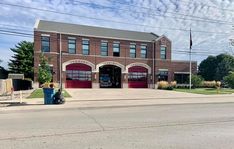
point(112, 104)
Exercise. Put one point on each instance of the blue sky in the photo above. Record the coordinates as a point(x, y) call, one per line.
point(211, 21)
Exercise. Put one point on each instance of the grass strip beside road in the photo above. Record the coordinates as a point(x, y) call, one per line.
point(38, 93)
point(206, 91)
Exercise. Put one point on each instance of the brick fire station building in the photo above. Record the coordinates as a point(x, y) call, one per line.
point(95, 57)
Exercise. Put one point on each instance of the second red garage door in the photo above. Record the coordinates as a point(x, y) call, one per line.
point(137, 77)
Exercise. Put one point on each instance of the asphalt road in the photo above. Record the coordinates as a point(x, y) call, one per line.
point(189, 126)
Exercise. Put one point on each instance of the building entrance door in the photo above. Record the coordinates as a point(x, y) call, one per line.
point(110, 76)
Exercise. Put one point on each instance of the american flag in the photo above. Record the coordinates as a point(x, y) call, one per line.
point(191, 41)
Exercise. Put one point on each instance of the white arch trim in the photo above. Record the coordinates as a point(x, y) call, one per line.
point(139, 64)
point(78, 61)
point(110, 63)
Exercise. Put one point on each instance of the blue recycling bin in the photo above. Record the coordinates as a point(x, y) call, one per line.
point(48, 95)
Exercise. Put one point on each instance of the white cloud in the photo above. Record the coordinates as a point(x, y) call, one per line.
point(174, 14)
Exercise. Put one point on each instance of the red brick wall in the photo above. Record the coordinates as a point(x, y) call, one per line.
point(163, 41)
point(95, 57)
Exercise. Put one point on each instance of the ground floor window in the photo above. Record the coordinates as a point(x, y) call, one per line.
point(137, 76)
point(78, 75)
point(181, 78)
point(163, 76)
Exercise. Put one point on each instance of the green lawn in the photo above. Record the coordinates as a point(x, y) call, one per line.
point(206, 91)
point(38, 93)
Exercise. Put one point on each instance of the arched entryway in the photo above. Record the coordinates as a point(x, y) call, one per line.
point(78, 75)
point(110, 76)
point(137, 77)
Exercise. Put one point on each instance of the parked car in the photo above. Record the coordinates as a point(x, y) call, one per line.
point(105, 80)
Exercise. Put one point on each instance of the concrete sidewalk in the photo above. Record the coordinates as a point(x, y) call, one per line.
point(119, 98)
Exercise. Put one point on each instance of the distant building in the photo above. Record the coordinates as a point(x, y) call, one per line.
point(95, 57)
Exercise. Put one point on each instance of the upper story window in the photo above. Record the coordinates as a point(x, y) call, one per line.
point(45, 43)
point(163, 52)
point(163, 75)
point(72, 45)
point(104, 48)
point(85, 46)
point(133, 50)
point(143, 51)
point(116, 49)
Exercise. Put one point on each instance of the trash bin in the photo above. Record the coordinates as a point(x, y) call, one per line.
point(48, 95)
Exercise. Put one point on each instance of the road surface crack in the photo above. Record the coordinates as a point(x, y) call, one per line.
point(93, 119)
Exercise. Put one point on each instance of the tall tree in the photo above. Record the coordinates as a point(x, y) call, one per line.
point(207, 68)
point(22, 60)
point(216, 67)
point(225, 65)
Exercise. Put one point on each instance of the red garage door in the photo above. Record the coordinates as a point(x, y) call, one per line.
point(78, 76)
point(137, 77)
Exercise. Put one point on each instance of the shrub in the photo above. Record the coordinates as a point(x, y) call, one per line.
point(169, 88)
point(173, 84)
point(218, 84)
point(229, 80)
point(49, 85)
point(209, 84)
point(163, 85)
point(196, 81)
point(166, 86)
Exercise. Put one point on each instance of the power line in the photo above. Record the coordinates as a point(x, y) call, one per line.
point(199, 50)
point(14, 25)
point(196, 54)
point(107, 20)
point(178, 52)
point(14, 34)
point(4, 32)
point(15, 29)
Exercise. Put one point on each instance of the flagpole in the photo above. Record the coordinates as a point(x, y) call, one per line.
point(190, 61)
point(190, 69)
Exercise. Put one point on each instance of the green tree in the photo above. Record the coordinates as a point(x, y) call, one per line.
point(225, 65)
point(216, 67)
point(44, 73)
point(22, 60)
point(196, 80)
point(3, 72)
point(207, 68)
point(229, 80)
